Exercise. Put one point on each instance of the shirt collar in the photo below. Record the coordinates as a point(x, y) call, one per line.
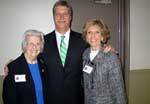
point(67, 35)
point(59, 34)
point(66, 39)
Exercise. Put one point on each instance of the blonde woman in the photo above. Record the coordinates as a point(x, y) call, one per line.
point(103, 82)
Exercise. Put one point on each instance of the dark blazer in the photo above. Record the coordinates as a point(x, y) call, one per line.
point(64, 82)
point(22, 92)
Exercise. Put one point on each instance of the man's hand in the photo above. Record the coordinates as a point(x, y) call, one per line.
point(6, 70)
point(108, 48)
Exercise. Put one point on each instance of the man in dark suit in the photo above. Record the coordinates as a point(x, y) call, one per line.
point(64, 77)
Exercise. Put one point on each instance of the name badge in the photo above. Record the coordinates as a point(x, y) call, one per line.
point(20, 78)
point(88, 69)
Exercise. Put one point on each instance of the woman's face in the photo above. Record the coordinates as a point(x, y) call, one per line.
point(94, 36)
point(33, 46)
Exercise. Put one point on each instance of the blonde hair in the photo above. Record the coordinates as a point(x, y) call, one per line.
point(103, 28)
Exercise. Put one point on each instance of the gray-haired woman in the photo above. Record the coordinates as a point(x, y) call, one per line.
point(26, 79)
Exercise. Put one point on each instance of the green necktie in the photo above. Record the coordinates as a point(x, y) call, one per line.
point(63, 50)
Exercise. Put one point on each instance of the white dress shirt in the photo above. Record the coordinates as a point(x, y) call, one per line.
point(66, 39)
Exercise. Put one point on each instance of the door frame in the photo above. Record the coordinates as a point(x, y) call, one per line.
point(124, 47)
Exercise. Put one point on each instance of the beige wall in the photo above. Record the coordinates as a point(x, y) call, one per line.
point(139, 75)
point(15, 17)
point(139, 34)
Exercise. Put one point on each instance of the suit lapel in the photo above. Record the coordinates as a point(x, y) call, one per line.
point(25, 66)
point(27, 72)
point(56, 51)
point(56, 54)
point(70, 48)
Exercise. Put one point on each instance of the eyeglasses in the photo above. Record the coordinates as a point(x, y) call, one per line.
point(34, 44)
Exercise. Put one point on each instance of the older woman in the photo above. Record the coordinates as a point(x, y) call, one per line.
point(26, 79)
point(103, 82)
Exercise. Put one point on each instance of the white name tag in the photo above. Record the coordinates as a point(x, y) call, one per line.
point(88, 69)
point(20, 78)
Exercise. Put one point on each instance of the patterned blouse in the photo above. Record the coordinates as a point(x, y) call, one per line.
point(104, 85)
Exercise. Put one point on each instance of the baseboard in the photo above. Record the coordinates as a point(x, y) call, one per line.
point(1, 84)
point(139, 86)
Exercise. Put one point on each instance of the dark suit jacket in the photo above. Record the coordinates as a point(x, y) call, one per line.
point(22, 92)
point(64, 82)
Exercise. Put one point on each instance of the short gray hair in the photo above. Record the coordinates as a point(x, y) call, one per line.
point(31, 32)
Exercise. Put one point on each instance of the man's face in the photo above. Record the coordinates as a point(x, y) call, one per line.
point(62, 18)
